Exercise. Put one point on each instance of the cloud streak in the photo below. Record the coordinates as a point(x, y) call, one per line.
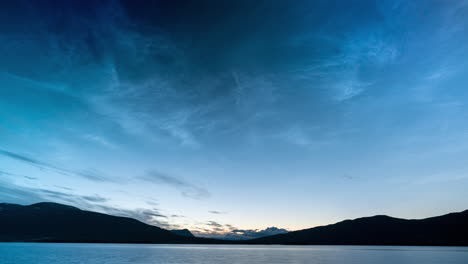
point(25, 159)
point(17, 175)
point(217, 212)
point(187, 189)
point(88, 174)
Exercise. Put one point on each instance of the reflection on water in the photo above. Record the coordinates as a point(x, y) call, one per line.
point(31, 253)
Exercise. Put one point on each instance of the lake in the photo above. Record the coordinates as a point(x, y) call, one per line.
point(35, 253)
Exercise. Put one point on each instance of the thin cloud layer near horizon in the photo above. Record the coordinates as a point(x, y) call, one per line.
point(236, 116)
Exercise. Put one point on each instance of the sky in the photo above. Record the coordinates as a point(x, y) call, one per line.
point(234, 116)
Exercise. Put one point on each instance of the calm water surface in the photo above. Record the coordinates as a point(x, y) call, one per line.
point(30, 253)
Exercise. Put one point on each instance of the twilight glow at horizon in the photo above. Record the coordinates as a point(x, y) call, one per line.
point(234, 116)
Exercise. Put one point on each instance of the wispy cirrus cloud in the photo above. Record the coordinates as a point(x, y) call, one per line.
point(2, 172)
point(154, 214)
point(88, 174)
point(186, 188)
point(92, 174)
point(100, 140)
point(26, 159)
point(217, 212)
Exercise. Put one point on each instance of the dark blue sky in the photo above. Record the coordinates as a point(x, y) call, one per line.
point(217, 115)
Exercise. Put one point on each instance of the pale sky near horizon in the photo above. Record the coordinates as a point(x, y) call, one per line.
point(224, 115)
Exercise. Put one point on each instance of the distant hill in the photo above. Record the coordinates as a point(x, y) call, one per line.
point(183, 232)
point(51, 222)
point(246, 234)
point(446, 230)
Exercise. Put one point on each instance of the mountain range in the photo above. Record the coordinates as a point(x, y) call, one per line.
point(446, 230)
point(52, 222)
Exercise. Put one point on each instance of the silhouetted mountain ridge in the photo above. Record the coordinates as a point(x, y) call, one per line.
point(52, 222)
point(446, 230)
point(183, 232)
